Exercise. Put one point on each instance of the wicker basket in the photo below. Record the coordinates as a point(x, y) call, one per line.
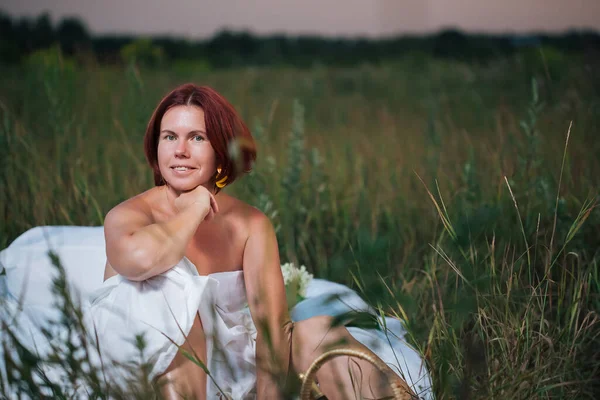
point(310, 390)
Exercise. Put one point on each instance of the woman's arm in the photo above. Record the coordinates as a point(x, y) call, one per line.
point(138, 249)
point(266, 298)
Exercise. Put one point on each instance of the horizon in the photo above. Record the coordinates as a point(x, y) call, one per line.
point(356, 20)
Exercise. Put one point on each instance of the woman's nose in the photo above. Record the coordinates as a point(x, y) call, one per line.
point(181, 149)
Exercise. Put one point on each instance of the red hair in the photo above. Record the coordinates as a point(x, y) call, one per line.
point(228, 134)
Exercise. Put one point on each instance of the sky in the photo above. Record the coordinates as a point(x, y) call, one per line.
point(370, 18)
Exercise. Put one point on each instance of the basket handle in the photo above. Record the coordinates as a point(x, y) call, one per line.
point(399, 387)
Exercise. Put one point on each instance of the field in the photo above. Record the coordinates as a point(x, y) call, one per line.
point(460, 197)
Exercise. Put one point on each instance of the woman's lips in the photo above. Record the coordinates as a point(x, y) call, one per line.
point(182, 171)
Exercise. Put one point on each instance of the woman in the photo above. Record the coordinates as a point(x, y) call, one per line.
point(184, 258)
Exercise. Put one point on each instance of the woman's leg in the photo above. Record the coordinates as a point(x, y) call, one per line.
point(341, 377)
point(183, 379)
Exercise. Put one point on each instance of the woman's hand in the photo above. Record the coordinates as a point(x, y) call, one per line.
point(199, 197)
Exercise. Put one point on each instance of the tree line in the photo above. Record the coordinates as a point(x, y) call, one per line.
point(24, 36)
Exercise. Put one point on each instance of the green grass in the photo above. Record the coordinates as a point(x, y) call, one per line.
point(444, 192)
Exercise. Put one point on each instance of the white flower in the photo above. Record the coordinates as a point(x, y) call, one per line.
point(305, 278)
point(296, 280)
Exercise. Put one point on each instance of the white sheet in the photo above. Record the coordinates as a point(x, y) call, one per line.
point(216, 297)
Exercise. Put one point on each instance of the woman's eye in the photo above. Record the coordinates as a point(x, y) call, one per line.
point(170, 137)
point(198, 138)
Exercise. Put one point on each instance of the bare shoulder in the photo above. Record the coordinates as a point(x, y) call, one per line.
point(251, 218)
point(131, 214)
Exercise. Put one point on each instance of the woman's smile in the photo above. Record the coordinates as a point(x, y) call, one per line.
point(182, 171)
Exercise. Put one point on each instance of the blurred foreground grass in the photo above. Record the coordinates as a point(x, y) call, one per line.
point(394, 179)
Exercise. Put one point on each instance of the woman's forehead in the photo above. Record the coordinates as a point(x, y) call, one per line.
point(183, 116)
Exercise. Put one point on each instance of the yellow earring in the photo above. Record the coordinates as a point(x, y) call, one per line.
point(221, 183)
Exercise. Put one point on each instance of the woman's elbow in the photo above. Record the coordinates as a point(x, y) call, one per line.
point(136, 276)
point(135, 266)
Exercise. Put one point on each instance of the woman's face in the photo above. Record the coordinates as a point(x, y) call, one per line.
point(186, 158)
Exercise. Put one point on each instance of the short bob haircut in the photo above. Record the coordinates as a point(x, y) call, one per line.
point(227, 133)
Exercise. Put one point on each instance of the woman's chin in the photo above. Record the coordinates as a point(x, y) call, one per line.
point(183, 186)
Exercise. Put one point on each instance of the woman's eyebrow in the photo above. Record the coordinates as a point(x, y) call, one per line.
point(194, 132)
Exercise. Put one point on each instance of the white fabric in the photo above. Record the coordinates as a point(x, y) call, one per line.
point(165, 306)
point(121, 308)
point(29, 270)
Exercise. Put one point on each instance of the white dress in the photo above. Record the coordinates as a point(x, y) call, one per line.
point(163, 309)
